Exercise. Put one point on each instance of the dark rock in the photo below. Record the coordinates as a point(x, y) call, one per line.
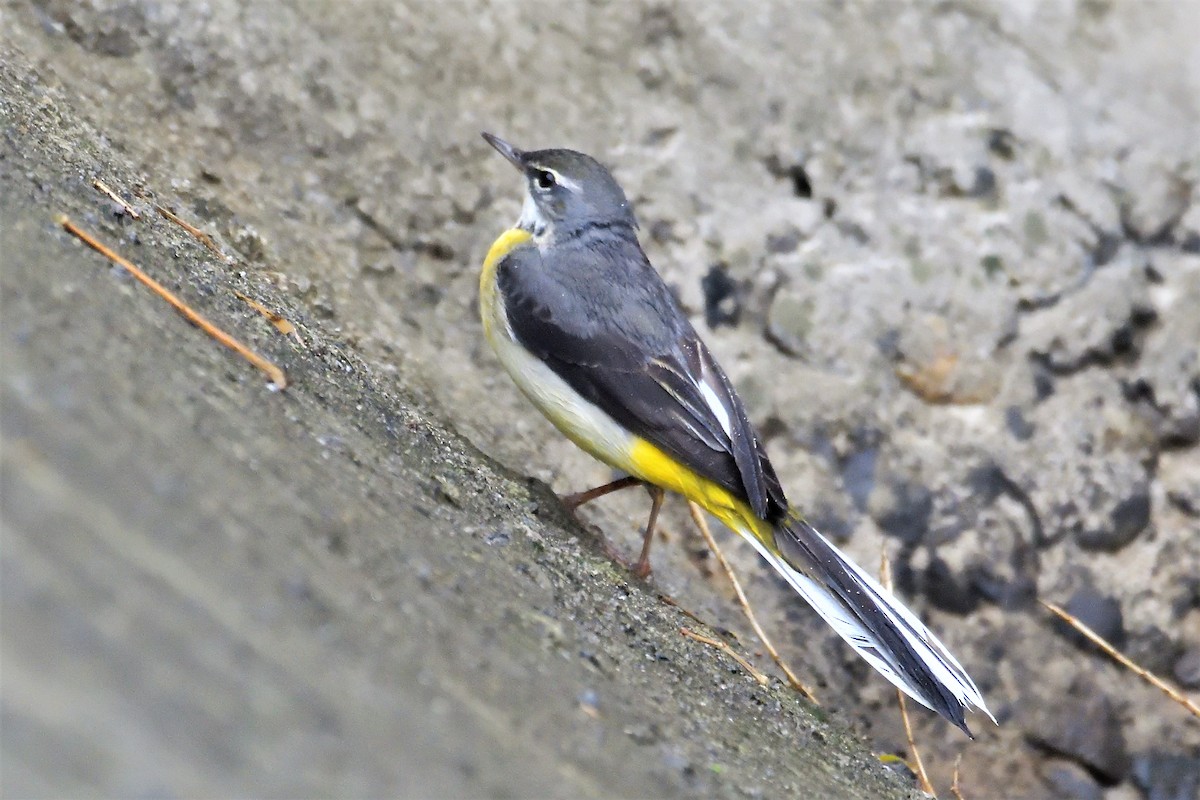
point(801, 184)
point(1099, 612)
point(659, 24)
point(1129, 518)
point(946, 591)
point(1187, 598)
point(117, 42)
point(722, 301)
point(1085, 728)
point(1187, 668)
point(993, 265)
point(1132, 515)
point(987, 482)
point(1002, 143)
point(1163, 776)
point(1043, 382)
point(1105, 248)
point(1010, 583)
point(1069, 780)
point(1006, 592)
point(663, 231)
point(1020, 427)
point(902, 510)
point(794, 172)
point(785, 242)
point(858, 475)
point(984, 183)
point(1155, 649)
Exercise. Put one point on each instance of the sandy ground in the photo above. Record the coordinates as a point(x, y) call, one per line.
point(949, 255)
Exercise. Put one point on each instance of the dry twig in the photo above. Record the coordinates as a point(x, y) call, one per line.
point(102, 187)
point(690, 615)
point(954, 788)
point(1146, 675)
point(281, 324)
point(702, 524)
point(272, 371)
point(203, 237)
point(723, 647)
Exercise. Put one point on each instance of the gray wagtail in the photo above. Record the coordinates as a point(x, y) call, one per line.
point(591, 334)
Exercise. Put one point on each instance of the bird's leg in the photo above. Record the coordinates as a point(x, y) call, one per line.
point(574, 501)
point(642, 568)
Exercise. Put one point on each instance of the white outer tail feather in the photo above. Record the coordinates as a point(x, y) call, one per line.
point(933, 653)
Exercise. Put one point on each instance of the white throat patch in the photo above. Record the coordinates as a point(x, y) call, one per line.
point(531, 218)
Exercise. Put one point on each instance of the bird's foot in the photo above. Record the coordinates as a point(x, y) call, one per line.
point(640, 568)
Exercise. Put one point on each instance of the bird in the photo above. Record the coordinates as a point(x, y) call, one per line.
point(595, 339)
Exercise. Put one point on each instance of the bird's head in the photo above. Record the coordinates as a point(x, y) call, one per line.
point(567, 191)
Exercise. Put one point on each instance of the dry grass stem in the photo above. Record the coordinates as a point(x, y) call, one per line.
point(954, 788)
point(763, 680)
point(102, 187)
point(272, 371)
point(702, 524)
point(203, 237)
point(281, 324)
point(674, 604)
point(1146, 675)
point(885, 577)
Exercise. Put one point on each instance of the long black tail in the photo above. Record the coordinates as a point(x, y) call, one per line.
point(872, 621)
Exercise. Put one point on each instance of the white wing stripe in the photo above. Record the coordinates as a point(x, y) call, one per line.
point(717, 407)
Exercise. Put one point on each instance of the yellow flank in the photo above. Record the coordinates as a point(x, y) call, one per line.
point(652, 464)
point(505, 244)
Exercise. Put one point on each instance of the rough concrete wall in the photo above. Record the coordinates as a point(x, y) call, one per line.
point(948, 253)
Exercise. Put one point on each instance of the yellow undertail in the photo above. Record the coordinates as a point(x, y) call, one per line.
point(653, 465)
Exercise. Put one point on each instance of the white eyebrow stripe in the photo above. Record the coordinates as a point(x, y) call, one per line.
point(716, 406)
point(563, 180)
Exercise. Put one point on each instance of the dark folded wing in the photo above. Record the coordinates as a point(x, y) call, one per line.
point(624, 344)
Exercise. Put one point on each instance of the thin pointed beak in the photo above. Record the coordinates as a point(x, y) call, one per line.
point(505, 149)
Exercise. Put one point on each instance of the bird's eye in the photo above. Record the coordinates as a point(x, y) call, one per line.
point(545, 179)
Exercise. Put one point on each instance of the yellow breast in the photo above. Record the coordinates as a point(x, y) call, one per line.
point(490, 308)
